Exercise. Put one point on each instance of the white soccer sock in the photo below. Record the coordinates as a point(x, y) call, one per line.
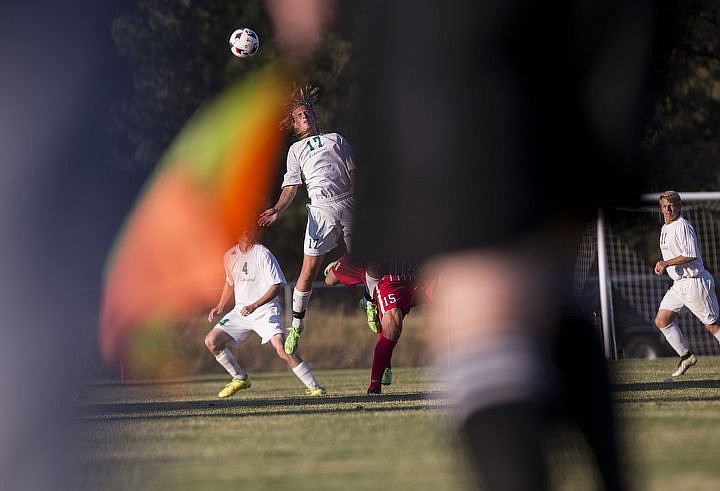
point(300, 302)
point(302, 371)
point(228, 361)
point(675, 337)
point(371, 284)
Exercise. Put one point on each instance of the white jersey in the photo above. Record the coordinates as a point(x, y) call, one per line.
point(678, 239)
point(323, 162)
point(252, 273)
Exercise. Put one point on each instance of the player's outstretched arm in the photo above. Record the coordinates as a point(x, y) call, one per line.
point(269, 216)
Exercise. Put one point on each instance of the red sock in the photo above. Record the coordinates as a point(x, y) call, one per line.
point(381, 359)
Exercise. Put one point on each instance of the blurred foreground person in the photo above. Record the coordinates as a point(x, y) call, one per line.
point(56, 172)
point(693, 286)
point(503, 126)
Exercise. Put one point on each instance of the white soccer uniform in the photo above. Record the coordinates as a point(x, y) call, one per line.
point(693, 286)
point(323, 163)
point(251, 274)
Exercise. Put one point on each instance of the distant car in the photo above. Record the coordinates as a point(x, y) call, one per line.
point(635, 337)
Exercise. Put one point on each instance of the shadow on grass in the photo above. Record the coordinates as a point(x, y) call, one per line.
point(239, 407)
point(674, 384)
point(641, 389)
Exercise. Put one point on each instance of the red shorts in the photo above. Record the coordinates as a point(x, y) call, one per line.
point(347, 273)
point(391, 292)
point(394, 294)
point(404, 295)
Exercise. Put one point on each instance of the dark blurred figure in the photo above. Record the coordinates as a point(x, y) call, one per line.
point(63, 199)
point(504, 126)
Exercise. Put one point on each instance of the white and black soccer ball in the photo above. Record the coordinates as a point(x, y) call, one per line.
point(244, 42)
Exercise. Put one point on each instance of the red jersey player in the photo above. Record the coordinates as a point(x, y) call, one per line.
point(395, 293)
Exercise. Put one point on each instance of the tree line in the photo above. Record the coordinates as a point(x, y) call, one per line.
point(178, 58)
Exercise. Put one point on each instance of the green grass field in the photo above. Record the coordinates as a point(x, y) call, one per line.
point(176, 435)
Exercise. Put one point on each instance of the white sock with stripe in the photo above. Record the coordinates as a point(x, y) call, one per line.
point(300, 302)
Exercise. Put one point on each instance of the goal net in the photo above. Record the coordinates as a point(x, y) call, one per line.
point(616, 259)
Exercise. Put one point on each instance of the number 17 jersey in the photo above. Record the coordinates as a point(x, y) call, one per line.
point(323, 162)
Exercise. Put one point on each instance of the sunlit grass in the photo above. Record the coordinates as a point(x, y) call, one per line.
point(177, 435)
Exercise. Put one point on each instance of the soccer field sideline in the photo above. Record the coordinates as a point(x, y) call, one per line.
point(178, 435)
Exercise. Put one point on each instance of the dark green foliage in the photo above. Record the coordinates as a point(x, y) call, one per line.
point(178, 55)
point(179, 58)
point(683, 137)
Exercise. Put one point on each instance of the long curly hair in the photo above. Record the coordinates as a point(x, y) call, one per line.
point(306, 96)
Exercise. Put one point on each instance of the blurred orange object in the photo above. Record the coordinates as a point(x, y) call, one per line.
point(214, 180)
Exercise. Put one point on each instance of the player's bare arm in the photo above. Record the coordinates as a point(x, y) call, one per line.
point(272, 292)
point(661, 266)
point(269, 216)
point(227, 292)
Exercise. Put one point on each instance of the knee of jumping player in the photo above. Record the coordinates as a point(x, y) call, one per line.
point(308, 272)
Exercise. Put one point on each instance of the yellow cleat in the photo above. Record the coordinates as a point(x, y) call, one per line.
point(234, 386)
point(316, 391)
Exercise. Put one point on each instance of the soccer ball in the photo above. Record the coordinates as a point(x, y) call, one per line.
point(244, 42)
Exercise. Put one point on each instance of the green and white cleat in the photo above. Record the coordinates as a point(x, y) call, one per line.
point(234, 386)
point(316, 391)
point(291, 339)
point(686, 362)
point(387, 377)
point(373, 318)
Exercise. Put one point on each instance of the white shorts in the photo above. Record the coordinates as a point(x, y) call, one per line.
point(328, 222)
point(697, 294)
point(265, 323)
